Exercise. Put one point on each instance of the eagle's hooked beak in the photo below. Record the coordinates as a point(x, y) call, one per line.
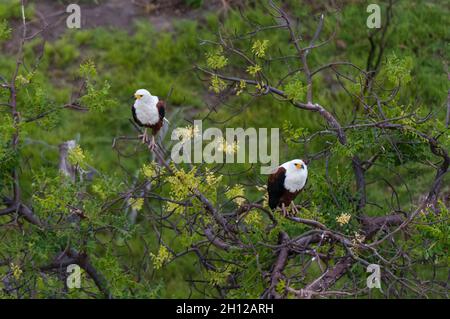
point(298, 165)
point(137, 96)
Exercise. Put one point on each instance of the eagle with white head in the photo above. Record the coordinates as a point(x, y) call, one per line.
point(285, 183)
point(148, 111)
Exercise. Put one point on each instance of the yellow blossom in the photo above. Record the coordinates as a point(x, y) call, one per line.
point(188, 132)
point(22, 80)
point(215, 60)
point(162, 257)
point(217, 84)
point(259, 48)
point(227, 148)
point(136, 203)
point(236, 193)
point(241, 87)
point(253, 218)
point(217, 278)
point(149, 170)
point(173, 207)
point(211, 178)
point(17, 272)
point(343, 219)
point(252, 70)
point(76, 156)
point(266, 195)
point(358, 239)
point(182, 183)
point(260, 87)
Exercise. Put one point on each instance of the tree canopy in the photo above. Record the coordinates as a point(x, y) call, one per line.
point(367, 108)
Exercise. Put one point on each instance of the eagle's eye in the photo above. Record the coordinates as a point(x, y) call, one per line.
point(298, 165)
point(138, 96)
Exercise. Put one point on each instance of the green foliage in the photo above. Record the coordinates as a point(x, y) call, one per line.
point(62, 52)
point(98, 96)
point(5, 31)
point(215, 60)
point(194, 3)
point(88, 70)
point(259, 48)
point(254, 69)
point(7, 158)
point(162, 257)
point(77, 157)
point(293, 134)
point(217, 84)
point(434, 234)
point(236, 193)
point(218, 278)
point(11, 9)
point(125, 61)
point(398, 70)
point(295, 89)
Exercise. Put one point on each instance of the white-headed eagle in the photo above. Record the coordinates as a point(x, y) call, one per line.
point(285, 183)
point(148, 111)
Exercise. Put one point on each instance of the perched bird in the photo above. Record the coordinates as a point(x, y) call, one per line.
point(285, 183)
point(148, 111)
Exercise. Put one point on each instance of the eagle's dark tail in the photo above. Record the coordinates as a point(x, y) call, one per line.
point(273, 202)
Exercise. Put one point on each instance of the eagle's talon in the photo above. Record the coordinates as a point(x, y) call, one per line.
point(144, 137)
point(294, 210)
point(284, 211)
point(152, 144)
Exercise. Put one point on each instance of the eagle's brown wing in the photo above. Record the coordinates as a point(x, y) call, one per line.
point(162, 112)
point(275, 187)
point(161, 109)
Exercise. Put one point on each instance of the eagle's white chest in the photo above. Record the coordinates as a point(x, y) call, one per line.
point(147, 113)
point(295, 179)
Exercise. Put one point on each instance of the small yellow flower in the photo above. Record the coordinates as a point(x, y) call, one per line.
point(227, 148)
point(236, 193)
point(253, 218)
point(22, 80)
point(266, 195)
point(136, 203)
point(182, 183)
point(76, 156)
point(188, 132)
point(358, 239)
point(343, 219)
point(149, 170)
point(99, 189)
point(161, 258)
point(252, 70)
point(211, 178)
point(260, 87)
point(259, 48)
point(217, 84)
point(241, 87)
point(218, 278)
point(215, 60)
point(173, 207)
point(17, 272)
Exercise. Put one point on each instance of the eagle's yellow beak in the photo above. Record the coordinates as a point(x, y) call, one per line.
point(137, 96)
point(298, 165)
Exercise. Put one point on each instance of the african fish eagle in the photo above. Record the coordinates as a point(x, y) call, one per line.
point(148, 111)
point(285, 183)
